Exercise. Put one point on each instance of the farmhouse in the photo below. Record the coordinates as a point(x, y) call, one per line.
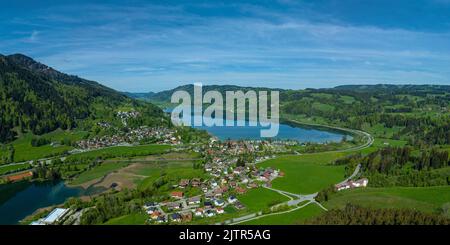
point(352, 184)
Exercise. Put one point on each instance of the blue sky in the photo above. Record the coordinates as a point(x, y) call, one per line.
point(142, 46)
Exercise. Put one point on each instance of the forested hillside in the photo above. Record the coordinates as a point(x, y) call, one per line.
point(37, 98)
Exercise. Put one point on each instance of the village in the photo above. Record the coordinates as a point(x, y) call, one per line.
point(217, 193)
point(230, 175)
point(156, 135)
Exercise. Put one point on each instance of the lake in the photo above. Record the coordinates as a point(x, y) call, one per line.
point(301, 133)
point(18, 200)
point(287, 131)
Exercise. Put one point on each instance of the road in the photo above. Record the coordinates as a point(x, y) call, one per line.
point(310, 198)
point(357, 169)
point(369, 137)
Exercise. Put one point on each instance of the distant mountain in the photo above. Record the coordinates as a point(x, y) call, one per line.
point(39, 98)
point(139, 95)
point(395, 88)
point(167, 94)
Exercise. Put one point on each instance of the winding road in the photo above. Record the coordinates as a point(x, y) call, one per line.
point(292, 202)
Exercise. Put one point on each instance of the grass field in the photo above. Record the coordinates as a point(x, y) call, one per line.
point(295, 217)
point(172, 170)
point(308, 173)
point(123, 151)
point(427, 199)
point(18, 167)
point(97, 172)
point(381, 143)
point(24, 151)
point(258, 199)
point(129, 219)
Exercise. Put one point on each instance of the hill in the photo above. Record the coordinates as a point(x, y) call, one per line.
point(164, 96)
point(40, 99)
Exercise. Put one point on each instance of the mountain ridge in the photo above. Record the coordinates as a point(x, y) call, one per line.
point(35, 97)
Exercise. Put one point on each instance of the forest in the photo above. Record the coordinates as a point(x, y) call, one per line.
point(402, 166)
point(356, 215)
point(37, 98)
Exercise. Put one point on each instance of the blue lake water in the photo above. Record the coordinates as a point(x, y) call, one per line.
point(301, 134)
point(17, 200)
point(286, 132)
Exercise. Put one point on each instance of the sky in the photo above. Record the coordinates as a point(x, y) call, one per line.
point(142, 46)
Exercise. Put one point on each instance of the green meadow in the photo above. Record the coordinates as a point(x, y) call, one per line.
point(427, 199)
point(172, 171)
point(308, 173)
point(381, 143)
point(260, 198)
point(129, 219)
point(123, 151)
point(25, 151)
point(97, 172)
point(17, 167)
point(295, 217)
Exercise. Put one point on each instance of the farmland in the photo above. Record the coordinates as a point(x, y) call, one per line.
point(427, 199)
point(295, 217)
point(122, 151)
point(97, 172)
point(305, 174)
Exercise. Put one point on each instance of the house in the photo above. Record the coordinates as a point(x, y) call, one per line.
point(342, 186)
point(195, 182)
point(175, 217)
point(199, 212)
point(252, 185)
point(151, 210)
point(184, 183)
point(233, 184)
point(239, 205)
point(150, 204)
point(218, 192)
point(209, 213)
point(194, 200)
point(208, 205)
point(238, 170)
point(232, 199)
point(173, 205)
point(186, 216)
point(161, 219)
point(219, 202)
point(177, 194)
point(209, 195)
point(155, 215)
point(361, 182)
point(352, 184)
point(220, 210)
point(240, 190)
